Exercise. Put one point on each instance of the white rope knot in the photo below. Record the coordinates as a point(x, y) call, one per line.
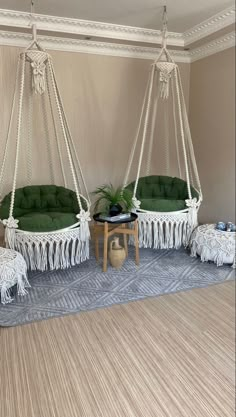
point(11, 223)
point(38, 77)
point(84, 217)
point(192, 203)
point(165, 69)
point(164, 77)
point(38, 68)
point(136, 203)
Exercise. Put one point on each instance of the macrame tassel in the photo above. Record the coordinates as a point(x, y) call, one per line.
point(22, 282)
point(84, 217)
point(192, 213)
point(164, 84)
point(38, 77)
point(5, 295)
point(11, 225)
point(162, 234)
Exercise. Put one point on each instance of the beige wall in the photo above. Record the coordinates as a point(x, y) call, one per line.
point(102, 97)
point(212, 122)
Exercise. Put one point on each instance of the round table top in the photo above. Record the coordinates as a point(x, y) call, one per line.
point(130, 219)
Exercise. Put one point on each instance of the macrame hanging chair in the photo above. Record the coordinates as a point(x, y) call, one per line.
point(47, 224)
point(167, 204)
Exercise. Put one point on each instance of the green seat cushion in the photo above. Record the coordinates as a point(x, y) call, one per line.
point(162, 193)
point(42, 208)
point(161, 204)
point(46, 222)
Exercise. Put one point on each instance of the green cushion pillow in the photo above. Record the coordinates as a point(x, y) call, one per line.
point(163, 205)
point(42, 208)
point(46, 222)
point(162, 193)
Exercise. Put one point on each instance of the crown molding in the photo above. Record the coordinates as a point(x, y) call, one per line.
point(119, 50)
point(14, 18)
point(89, 47)
point(210, 26)
point(210, 48)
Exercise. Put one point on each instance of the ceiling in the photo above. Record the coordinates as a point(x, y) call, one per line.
point(182, 14)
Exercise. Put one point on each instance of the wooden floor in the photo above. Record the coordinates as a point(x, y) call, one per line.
point(170, 356)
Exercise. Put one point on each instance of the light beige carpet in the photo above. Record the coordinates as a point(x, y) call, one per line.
point(171, 356)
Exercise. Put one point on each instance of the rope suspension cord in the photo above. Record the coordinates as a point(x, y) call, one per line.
point(47, 140)
point(164, 29)
point(189, 137)
point(29, 136)
point(64, 135)
point(2, 172)
point(72, 145)
point(137, 136)
point(146, 121)
point(153, 126)
point(175, 128)
point(166, 136)
point(55, 130)
point(18, 139)
point(182, 132)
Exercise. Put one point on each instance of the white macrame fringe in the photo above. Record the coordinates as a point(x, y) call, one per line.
point(214, 245)
point(164, 231)
point(163, 234)
point(13, 271)
point(52, 251)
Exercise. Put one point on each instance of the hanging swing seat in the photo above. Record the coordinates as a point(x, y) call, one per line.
point(42, 208)
point(47, 224)
point(167, 190)
point(161, 193)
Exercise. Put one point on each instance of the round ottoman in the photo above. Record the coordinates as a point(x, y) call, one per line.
point(213, 245)
point(13, 271)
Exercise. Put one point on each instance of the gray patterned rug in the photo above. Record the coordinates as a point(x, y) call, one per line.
point(86, 287)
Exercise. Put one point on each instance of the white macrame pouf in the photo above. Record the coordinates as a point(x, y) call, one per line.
point(13, 271)
point(213, 245)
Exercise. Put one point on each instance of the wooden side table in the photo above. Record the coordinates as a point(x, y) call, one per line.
point(108, 229)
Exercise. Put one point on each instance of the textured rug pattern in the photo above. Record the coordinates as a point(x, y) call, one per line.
point(86, 287)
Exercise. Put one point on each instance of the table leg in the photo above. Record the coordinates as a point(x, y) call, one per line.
point(105, 247)
point(136, 242)
point(96, 243)
point(125, 241)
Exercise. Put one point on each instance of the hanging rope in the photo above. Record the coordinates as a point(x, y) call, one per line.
point(189, 137)
point(72, 146)
point(136, 137)
point(182, 132)
point(47, 139)
point(29, 136)
point(18, 138)
point(2, 172)
point(153, 126)
point(55, 130)
point(146, 121)
point(175, 128)
point(166, 137)
point(164, 28)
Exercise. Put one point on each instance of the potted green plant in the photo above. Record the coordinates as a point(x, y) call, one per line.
point(113, 201)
